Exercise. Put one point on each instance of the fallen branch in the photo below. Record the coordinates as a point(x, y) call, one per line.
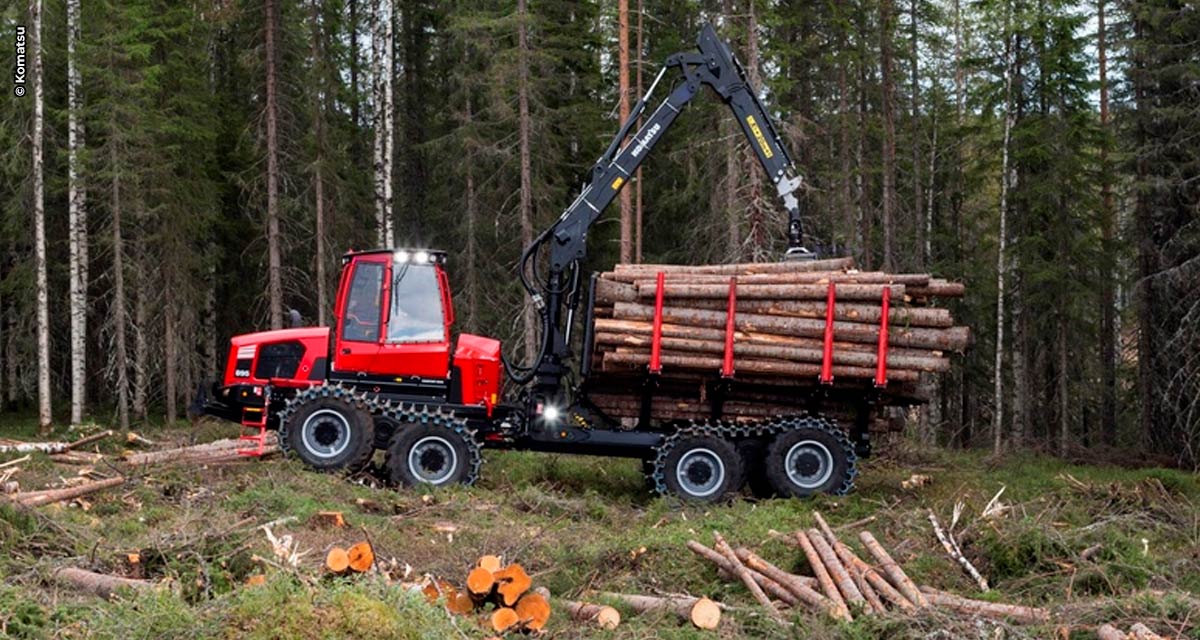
point(952, 548)
point(858, 571)
point(14, 462)
point(837, 571)
point(826, 581)
point(892, 570)
point(984, 608)
point(39, 498)
point(724, 566)
point(97, 584)
point(14, 446)
point(740, 571)
point(701, 612)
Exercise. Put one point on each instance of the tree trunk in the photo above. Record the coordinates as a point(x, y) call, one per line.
point(637, 204)
point(97, 584)
point(120, 321)
point(1064, 401)
point(1002, 254)
point(381, 72)
point(318, 167)
point(354, 101)
point(171, 359)
point(733, 250)
point(847, 177)
point(918, 195)
point(274, 265)
point(472, 213)
point(889, 134)
point(77, 219)
point(865, 221)
point(525, 126)
point(141, 363)
point(758, 212)
point(623, 110)
point(39, 224)
point(1108, 337)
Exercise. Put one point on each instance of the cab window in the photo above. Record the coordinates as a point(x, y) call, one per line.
point(417, 314)
point(360, 322)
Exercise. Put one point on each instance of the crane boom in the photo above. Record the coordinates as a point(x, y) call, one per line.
point(714, 65)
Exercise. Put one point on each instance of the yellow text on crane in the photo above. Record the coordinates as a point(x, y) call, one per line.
point(758, 135)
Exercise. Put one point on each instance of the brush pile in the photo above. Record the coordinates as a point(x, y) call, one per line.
point(778, 330)
point(842, 584)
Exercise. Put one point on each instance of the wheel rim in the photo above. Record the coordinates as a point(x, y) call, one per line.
point(432, 460)
point(809, 464)
point(700, 472)
point(325, 433)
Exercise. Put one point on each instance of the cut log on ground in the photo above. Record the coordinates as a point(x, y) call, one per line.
point(845, 584)
point(218, 450)
point(828, 587)
point(701, 612)
point(333, 519)
point(362, 557)
point(892, 570)
point(14, 462)
point(740, 571)
point(50, 496)
point(857, 572)
point(491, 563)
point(511, 583)
point(795, 584)
point(830, 264)
point(16, 446)
point(1109, 632)
point(985, 609)
point(768, 585)
point(480, 582)
point(503, 619)
point(1142, 632)
point(97, 584)
point(602, 616)
point(337, 561)
point(533, 610)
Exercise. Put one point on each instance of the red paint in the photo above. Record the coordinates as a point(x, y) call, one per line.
point(827, 355)
point(656, 336)
point(730, 325)
point(881, 356)
point(478, 360)
point(314, 339)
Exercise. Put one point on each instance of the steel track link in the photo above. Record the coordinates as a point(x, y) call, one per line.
point(734, 431)
point(399, 412)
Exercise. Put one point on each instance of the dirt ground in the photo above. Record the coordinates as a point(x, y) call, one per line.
point(582, 525)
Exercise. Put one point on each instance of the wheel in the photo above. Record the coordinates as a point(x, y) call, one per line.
point(754, 453)
point(703, 468)
point(431, 454)
point(331, 434)
point(812, 456)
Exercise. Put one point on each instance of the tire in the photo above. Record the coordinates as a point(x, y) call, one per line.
point(812, 456)
point(702, 469)
point(331, 434)
point(754, 453)
point(432, 455)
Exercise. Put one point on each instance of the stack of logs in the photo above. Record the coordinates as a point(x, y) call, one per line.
point(779, 332)
point(505, 588)
point(842, 584)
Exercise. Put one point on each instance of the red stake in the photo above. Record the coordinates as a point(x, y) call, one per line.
point(881, 356)
point(730, 325)
point(827, 356)
point(656, 337)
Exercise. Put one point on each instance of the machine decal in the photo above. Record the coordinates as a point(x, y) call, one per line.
point(758, 135)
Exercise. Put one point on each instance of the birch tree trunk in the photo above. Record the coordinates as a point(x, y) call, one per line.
point(381, 72)
point(274, 264)
point(889, 135)
point(1002, 254)
point(77, 220)
point(120, 321)
point(623, 110)
point(39, 224)
point(524, 125)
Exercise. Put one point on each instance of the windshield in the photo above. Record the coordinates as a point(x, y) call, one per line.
point(416, 305)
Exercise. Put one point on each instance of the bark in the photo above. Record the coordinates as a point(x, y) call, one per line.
point(39, 222)
point(1032, 615)
point(354, 102)
point(684, 360)
point(1064, 398)
point(865, 222)
point(828, 587)
point(758, 211)
point(77, 219)
point(919, 280)
point(1002, 254)
point(141, 350)
point(841, 577)
point(524, 131)
point(956, 554)
point(889, 135)
point(844, 127)
point(623, 111)
point(797, 586)
point(1109, 632)
point(739, 269)
point(637, 204)
point(1108, 337)
point(892, 570)
point(915, 115)
point(10, 446)
point(724, 565)
point(472, 213)
point(274, 263)
point(740, 571)
point(953, 338)
point(317, 169)
point(97, 584)
point(701, 612)
point(602, 616)
point(856, 565)
point(39, 498)
point(171, 359)
point(120, 319)
point(218, 448)
point(856, 292)
point(383, 118)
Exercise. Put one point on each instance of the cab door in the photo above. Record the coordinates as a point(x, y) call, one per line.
point(360, 316)
point(416, 345)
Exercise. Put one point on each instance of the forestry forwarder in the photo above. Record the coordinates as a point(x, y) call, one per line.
point(391, 374)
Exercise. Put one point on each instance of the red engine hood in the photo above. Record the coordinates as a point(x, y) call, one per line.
point(307, 335)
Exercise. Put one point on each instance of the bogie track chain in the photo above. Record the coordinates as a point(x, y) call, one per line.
point(764, 429)
point(399, 412)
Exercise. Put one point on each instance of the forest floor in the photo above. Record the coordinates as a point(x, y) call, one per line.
point(580, 525)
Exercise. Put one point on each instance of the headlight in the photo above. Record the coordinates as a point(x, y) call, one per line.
point(551, 414)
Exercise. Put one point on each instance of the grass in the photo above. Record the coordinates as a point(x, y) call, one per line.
point(581, 524)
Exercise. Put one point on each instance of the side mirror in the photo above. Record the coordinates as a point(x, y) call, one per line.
point(294, 320)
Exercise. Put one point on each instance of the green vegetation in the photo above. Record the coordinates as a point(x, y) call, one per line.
point(580, 523)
